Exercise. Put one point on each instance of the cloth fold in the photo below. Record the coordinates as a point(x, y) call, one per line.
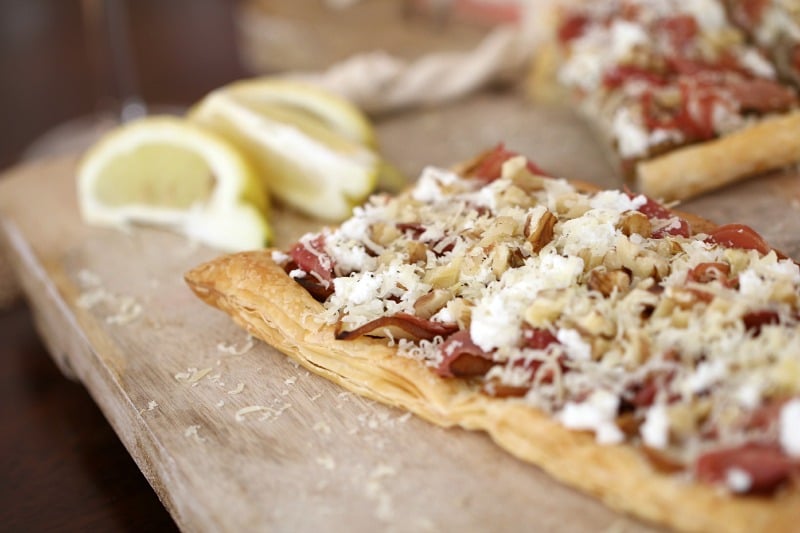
point(378, 82)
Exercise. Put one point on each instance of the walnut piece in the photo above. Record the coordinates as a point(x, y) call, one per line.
point(606, 281)
point(417, 252)
point(635, 222)
point(383, 233)
point(429, 304)
point(539, 231)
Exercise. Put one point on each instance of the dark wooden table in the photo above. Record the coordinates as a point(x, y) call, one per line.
point(61, 464)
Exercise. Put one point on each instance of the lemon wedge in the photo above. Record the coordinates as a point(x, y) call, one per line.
point(318, 105)
point(314, 150)
point(172, 173)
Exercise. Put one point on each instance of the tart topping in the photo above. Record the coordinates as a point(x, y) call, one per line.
point(665, 73)
point(600, 308)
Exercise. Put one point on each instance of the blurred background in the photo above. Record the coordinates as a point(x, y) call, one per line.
point(52, 72)
point(57, 65)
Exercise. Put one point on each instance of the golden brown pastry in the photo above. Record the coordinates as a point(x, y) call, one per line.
point(639, 354)
point(685, 101)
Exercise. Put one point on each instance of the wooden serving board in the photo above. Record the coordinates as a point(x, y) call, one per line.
point(233, 436)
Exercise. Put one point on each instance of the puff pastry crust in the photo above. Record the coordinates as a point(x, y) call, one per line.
point(682, 163)
point(259, 295)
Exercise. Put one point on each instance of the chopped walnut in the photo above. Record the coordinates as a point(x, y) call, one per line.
point(444, 276)
point(642, 263)
point(515, 196)
point(417, 252)
point(572, 205)
point(686, 418)
point(783, 291)
point(502, 228)
point(596, 324)
point(528, 182)
point(635, 222)
point(384, 234)
point(606, 281)
point(546, 308)
point(502, 257)
point(429, 304)
point(461, 311)
point(539, 231)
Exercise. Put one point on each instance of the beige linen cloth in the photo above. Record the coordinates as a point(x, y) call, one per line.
point(378, 82)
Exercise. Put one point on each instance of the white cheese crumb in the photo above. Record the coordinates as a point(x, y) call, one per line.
point(625, 36)
point(597, 413)
point(151, 405)
point(280, 257)
point(749, 395)
point(220, 403)
point(790, 427)
point(617, 201)
point(632, 139)
point(428, 188)
point(496, 317)
point(576, 347)
point(585, 67)
point(756, 63)
point(738, 480)
point(594, 231)
point(655, 429)
point(297, 273)
point(706, 374)
point(708, 13)
point(751, 284)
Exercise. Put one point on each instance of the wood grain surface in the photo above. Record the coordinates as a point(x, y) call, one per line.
point(230, 434)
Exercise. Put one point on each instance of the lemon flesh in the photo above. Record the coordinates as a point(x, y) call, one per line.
point(330, 110)
point(168, 172)
point(156, 175)
point(312, 150)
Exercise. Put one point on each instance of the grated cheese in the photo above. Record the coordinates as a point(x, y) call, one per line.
point(238, 389)
point(597, 414)
point(596, 67)
point(610, 342)
point(244, 411)
point(232, 348)
point(192, 375)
